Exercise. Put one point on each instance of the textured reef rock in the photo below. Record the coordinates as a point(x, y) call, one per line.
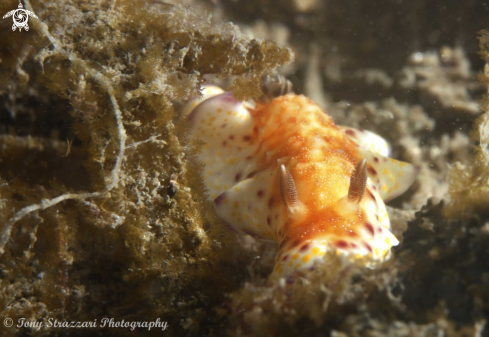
point(103, 210)
point(89, 227)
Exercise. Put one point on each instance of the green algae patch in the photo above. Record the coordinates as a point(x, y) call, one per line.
point(89, 227)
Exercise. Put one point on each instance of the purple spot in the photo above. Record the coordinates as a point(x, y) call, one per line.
point(259, 193)
point(341, 244)
point(237, 177)
point(304, 248)
point(376, 159)
point(350, 132)
point(370, 195)
point(227, 97)
point(246, 138)
point(379, 229)
point(268, 221)
point(285, 258)
point(295, 243)
point(369, 248)
point(372, 171)
point(352, 245)
point(290, 280)
point(370, 228)
point(377, 217)
point(224, 143)
point(231, 137)
point(374, 188)
point(270, 202)
point(251, 174)
point(248, 158)
point(385, 159)
point(224, 125)
point(311, 268)
point(220, 199)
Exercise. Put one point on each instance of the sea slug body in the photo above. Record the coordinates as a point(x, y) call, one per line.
point(282, 170)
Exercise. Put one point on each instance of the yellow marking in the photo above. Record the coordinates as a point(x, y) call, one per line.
point(290, 263)
point(209, 172)
point(224, 187)
point(237, 188)
point(386, 171)
point(390, 190)
point(216, 187)
point(392, 178)
point(387, 241)
point(280, 270)
point(376, 251)
point(402, 164)
point(384, 188)
point(401, 173)
point(218, 110)
point(297, 266)
point(396, 186)
point(229, 113)
point(206, 146)
point(207, 161)
point(295, 256)
point(236, 204)
point(232, 160)
point(316, 251)
point(219, 154)
point(358, 255)
point(306, 258)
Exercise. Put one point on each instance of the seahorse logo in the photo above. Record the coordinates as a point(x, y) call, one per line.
point(21, 17)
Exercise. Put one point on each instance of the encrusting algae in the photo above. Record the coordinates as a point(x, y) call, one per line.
point(110, 241)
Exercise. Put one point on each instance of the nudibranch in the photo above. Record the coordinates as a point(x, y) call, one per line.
point(280, 169)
